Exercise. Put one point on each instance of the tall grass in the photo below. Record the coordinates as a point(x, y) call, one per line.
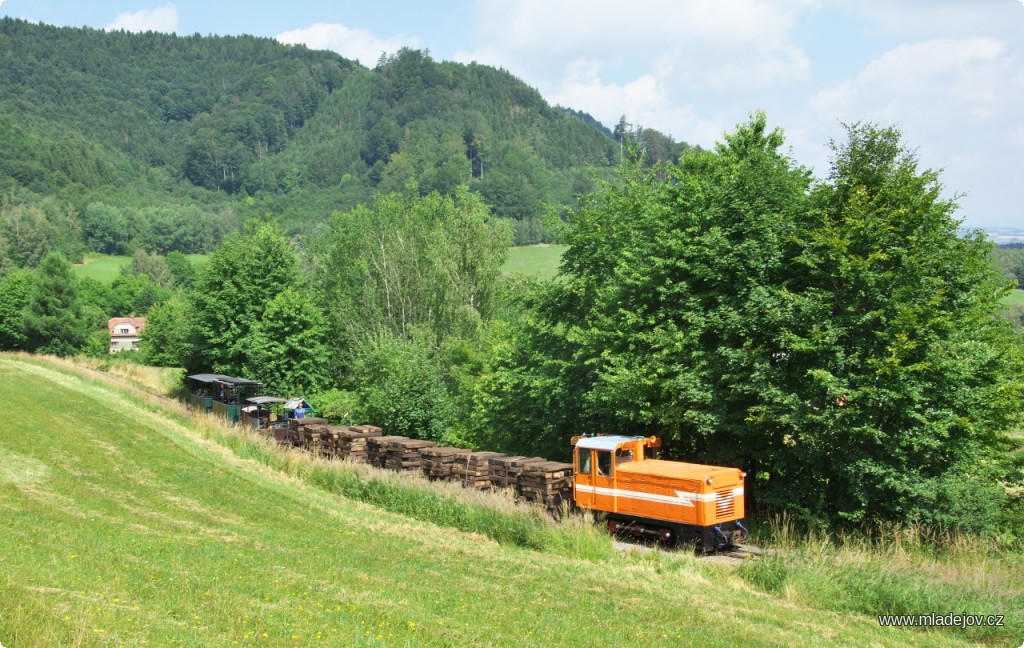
point(901, 570)
point(495, 515)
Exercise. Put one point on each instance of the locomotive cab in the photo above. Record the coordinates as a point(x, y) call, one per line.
point(670, 501)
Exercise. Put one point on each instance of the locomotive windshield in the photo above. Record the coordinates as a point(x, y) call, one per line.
point(583, 461)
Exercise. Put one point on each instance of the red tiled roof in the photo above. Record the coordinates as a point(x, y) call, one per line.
point(138, 322)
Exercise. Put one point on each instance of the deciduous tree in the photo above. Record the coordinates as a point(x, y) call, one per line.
point(841, 341)
point(170, 336)
point(234, 288)
point(410, 261)
point(15, 287)
point(287, 348)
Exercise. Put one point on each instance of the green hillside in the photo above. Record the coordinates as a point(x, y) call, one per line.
point(168, 142)
point(122, 521)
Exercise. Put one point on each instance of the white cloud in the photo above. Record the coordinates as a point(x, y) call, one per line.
point(937, 80)
point(568, 25)
point(161, 19)
point(645, 100)
point(734, 44)
point(949, 73)
point(957, 102)
point(932, 17)
point(1016, 136)
point(357, 44)
point(653, 60)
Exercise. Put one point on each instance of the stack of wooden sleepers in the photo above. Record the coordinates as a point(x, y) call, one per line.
point(548, 482)
point(439, 462)
point(505, 470)
point(533, 478)
point(403, 455)
point(376, 449)
point(329, 441)
point(305, 433)
point(474, 469)
point(351, 443)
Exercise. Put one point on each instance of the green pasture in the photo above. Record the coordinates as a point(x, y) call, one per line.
point(540, 261)
point(106, 267)
point(125, 521)
point(1015, 298)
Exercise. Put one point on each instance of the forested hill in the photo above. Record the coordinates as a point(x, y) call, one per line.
point(225, 128)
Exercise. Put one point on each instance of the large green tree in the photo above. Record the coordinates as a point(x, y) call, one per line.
point(840, 341)
point(898, 371)
point(411, 262)
point(287, 349)
point(183, 273)
point(234, 288)
point(152, 265)
point(33, 227)
point(169, 339)
point(133, 294)
point(401, 282)
point(53, 320)
point(15, 287)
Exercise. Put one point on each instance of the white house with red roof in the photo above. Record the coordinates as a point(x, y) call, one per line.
point(124, 333)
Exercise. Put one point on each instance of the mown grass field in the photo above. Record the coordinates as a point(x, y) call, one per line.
point(105, 267)
point(540, 261)
point(125, 520)
point(1015, 298)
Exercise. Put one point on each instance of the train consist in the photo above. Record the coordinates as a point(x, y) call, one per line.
point(617, 477)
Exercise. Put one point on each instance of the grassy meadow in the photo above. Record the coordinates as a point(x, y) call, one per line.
point(1015, 298)
point(537, 260)
point(540, 261)
point(106, 267)
point(125, 519)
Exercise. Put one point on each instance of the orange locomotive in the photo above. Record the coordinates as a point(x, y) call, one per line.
point(671, 501)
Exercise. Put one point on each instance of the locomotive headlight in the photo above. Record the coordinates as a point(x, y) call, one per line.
point(710, 480)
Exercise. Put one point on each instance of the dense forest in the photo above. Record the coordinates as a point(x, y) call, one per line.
point(161, 142)
point(840, 339)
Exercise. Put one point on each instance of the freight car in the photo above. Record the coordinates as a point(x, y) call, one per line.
point(668, 501)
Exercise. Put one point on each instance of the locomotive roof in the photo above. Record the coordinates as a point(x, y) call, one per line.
point(681, 470)
point(609, 442)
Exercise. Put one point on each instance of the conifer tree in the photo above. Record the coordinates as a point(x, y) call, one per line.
point(54, 322)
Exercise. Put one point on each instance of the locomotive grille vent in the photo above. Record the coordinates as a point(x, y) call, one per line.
point(724, 504)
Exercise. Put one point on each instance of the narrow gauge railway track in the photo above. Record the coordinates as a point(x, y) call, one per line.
point(735, 555)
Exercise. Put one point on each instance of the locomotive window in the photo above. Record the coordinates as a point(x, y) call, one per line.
point(583, 461)
point(604, 463)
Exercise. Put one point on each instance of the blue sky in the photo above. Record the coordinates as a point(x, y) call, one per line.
point(949, 73)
